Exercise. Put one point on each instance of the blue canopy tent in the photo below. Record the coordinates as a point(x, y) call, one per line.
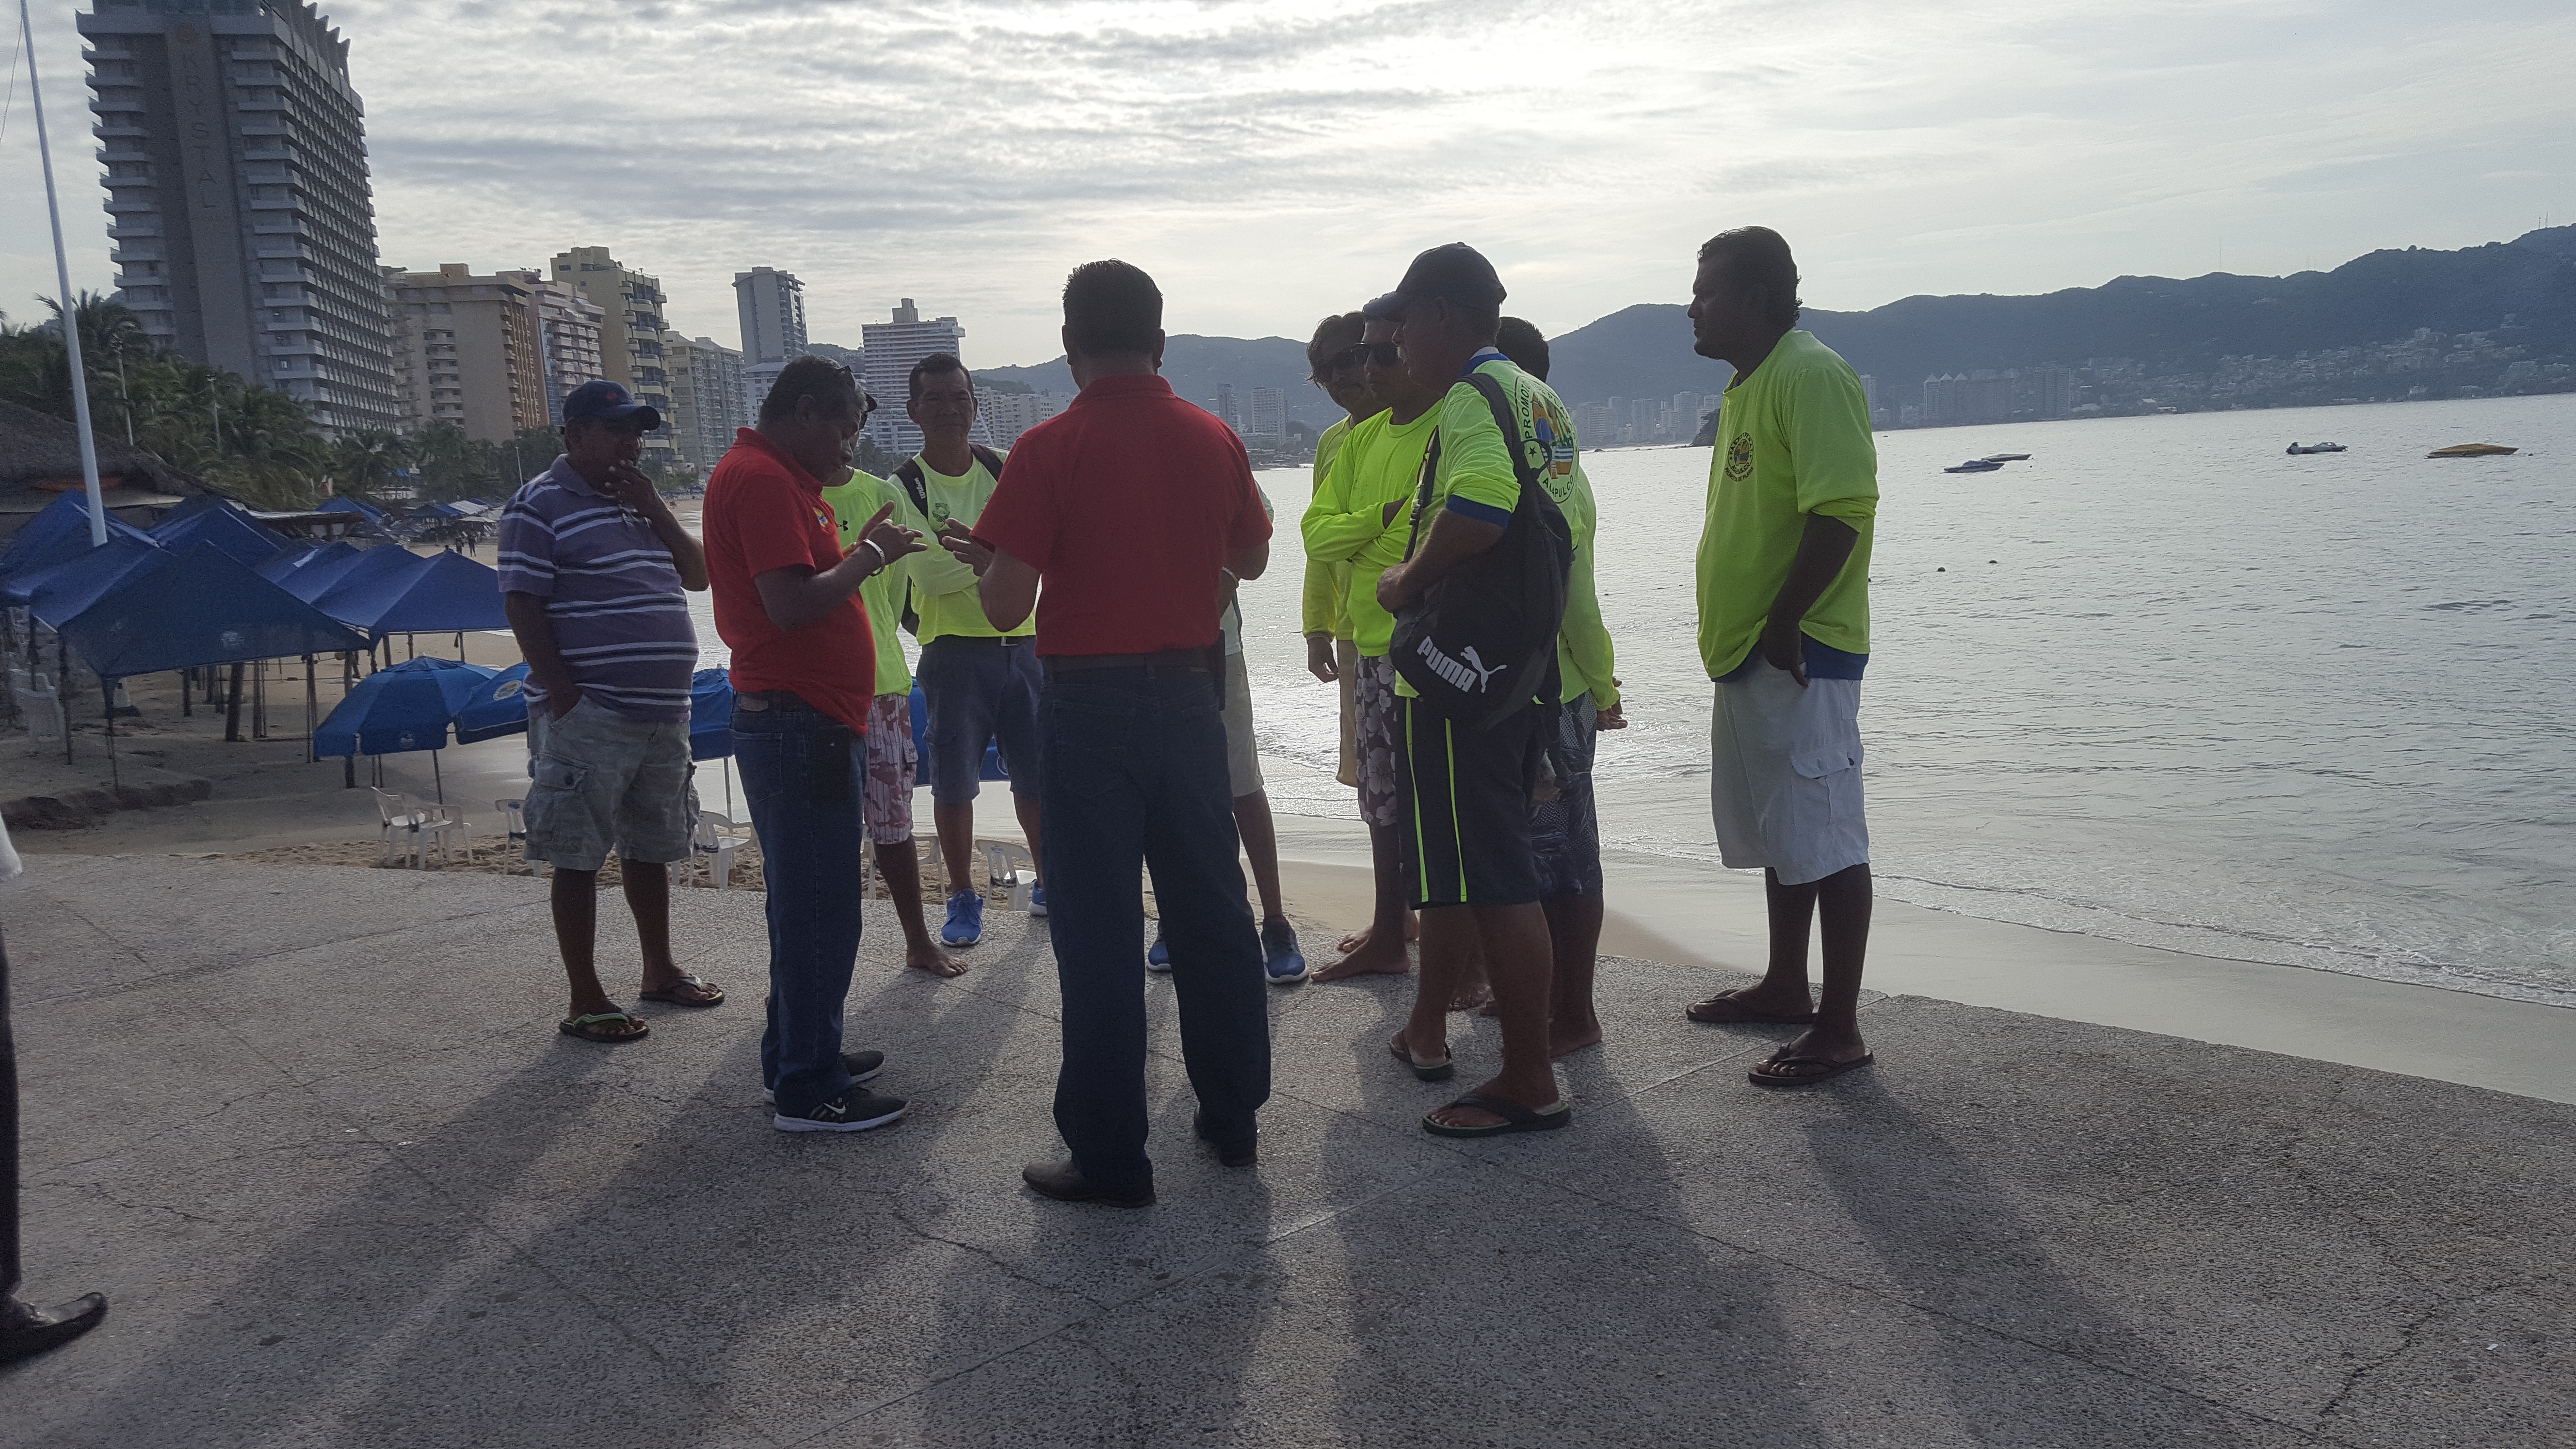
point(368, 576)
point(297, 555)
point(58, 533)
point(58, 591)
point(358, 506)
point(226, 528)
point(407, 707)
point(499, 707)
point(324, 569)
point(448, 594)
point(202, 607)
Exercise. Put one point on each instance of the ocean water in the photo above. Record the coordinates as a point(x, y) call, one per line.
point(2161, 683)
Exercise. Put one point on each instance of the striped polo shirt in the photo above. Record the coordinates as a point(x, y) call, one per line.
point(611, 591)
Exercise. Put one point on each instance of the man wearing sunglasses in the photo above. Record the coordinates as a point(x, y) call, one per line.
point(1358, 521)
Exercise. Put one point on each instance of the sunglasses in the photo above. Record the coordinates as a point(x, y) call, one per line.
point(1381, 353)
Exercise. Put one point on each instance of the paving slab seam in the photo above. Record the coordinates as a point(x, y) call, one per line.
point(1188, 1273)
point(1867, 1290)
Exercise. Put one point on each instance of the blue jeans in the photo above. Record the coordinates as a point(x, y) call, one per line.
point(1135, 777)
point(801, 769)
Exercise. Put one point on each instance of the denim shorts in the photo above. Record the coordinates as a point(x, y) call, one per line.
point(979, 691)
point(598, 780)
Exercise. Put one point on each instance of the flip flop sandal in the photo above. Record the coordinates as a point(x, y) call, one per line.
point(589, 1028)
point(1769, 1075)
point(1439, 1071)
point(1730, 1010)
point(670, 995)
point(1516, 1118)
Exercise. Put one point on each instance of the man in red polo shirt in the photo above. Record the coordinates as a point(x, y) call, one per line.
point(1133, 506)
point(804, 674)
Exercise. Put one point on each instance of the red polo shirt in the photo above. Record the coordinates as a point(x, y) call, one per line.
point(1126, 503)
point(764, 512)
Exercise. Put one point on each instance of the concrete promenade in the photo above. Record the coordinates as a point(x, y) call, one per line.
point(313, 1132)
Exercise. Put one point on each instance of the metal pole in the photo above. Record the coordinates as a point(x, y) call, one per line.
point(71, 317)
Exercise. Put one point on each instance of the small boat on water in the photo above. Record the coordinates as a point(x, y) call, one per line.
point(1977, 465)
point(2471, 450)
point(2005, 458)
point(2298, 450)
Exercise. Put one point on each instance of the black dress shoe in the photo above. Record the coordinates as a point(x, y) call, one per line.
point(1063, 1182)
point(1232, 1155)
point(26, 1332)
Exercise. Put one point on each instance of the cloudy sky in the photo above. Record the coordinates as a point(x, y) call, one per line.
point(1270, 162)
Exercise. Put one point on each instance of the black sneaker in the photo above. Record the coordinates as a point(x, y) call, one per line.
point(862, 1067)
point(855, 1110)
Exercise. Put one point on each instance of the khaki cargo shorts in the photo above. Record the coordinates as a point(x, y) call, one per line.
point(599, 780)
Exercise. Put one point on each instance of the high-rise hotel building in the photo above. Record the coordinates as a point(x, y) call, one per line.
point(891, 348)
point(243, 226)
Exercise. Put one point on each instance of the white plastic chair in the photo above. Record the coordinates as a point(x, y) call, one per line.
point(514, 819)
point(38, 704)
point(1003, 860)
point(711, 846)
point(414, 831)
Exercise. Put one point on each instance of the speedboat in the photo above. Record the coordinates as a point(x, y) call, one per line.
point(2471, 450)
point(2302, 449)
point(2005, 458)
point(1976, 465)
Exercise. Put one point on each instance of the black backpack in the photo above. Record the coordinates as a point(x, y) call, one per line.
point(917, 488)
point(1481, 641)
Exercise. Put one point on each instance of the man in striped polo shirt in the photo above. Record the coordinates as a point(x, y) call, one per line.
point(592, 569)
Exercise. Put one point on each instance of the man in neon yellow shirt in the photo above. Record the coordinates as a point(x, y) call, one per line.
point(1784, 630)
point(1358, 523)
point(885, 807)
point(1465, 824)
point(981, 683)
point(1334, 362)
point(1565, 829)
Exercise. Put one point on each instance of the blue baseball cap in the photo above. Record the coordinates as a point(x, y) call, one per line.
point(1457, 272)
point(605, 401)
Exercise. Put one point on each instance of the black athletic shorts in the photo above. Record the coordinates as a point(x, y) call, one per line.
point(1465, 807)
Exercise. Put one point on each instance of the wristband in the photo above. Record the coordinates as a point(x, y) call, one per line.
point(883, 563)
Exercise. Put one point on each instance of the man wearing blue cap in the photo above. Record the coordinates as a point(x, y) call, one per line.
point(592, 571)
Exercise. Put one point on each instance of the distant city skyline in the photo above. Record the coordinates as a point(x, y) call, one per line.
point(2013, 151)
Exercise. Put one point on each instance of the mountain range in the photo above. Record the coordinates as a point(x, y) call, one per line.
point(2168, 325)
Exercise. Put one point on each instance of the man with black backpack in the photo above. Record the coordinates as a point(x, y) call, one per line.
point(980, 682)
point(1478, 601)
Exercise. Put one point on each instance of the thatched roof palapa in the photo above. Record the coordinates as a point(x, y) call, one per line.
point(39, 448)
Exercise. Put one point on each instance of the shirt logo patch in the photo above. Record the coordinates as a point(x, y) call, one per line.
point(1739, 458)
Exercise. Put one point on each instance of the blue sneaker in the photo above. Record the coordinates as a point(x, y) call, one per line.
point(965, 919)
point(1280, 958)
point(1159, 959)
point(1037, 900)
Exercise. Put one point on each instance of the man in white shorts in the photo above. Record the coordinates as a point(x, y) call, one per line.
point(1283, 962)
point(1784, 630)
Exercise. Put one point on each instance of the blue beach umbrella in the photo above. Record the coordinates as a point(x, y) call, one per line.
point(409, 706)
point(499, 706)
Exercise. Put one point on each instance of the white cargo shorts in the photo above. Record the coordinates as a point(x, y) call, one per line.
point(1784, 774)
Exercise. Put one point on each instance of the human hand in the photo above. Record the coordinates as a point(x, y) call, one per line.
point(1784, 645)
point(1391, 591)
point(627, 487)
point(1386, 518)
point(890, 538)
point(560, 702)
point(1613, 718)
point(1319, 658)
point(955, 537)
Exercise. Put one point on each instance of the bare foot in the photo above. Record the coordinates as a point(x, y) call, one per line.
point(1368, 959)
point(929, 960)
point(1474, 996)
point(1568, 1042)
point(1761, 1003)
point(1360, 938)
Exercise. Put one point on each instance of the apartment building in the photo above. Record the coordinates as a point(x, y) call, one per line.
point(240, 215)
point(890, 350)
point(568, 328)
point(630, 332)
point(707, 393)
point(467, 350)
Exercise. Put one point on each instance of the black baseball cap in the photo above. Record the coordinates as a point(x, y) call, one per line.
point(605, 401)
point(1457, 272)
